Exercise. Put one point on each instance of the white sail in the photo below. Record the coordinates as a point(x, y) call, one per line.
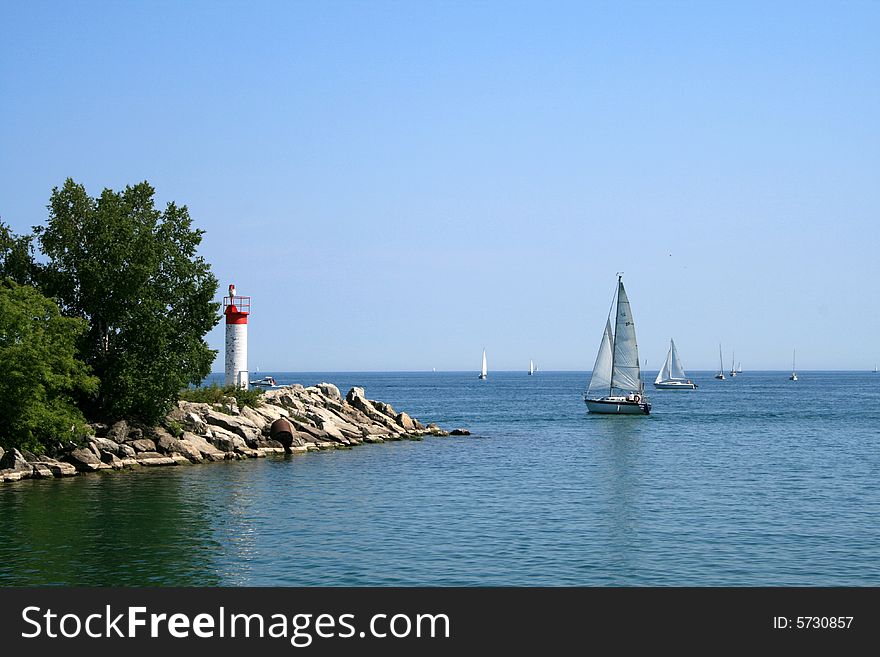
point(531, 367)
point(625, 372)
point(600, 383)
point(672, 369)
point(484, 371)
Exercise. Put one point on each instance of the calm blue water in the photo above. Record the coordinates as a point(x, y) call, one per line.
point(751, 481)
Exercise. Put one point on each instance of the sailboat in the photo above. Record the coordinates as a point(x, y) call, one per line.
point(671, 375)
point(616, 385)
point(793, 376)
point(531, 367)
point(739, 368)
point(720, 375)
point(483, 371)
point(732, 367)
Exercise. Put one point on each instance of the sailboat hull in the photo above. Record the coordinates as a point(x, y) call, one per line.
point(617, 407)
point(675, 385)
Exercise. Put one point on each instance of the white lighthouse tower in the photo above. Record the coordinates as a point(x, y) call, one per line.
point(236, 310)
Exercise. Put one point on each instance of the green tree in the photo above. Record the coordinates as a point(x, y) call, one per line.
point(132, 271)
point(16, 256)
point(41, 374)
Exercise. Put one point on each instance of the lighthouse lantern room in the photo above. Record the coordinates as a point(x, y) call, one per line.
point(236, 309)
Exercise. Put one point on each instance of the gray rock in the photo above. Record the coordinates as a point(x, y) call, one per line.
point(111, 459)
point(95, 450)
point(188, 450)
point(149, 456)
point(256, 419)
point(30, 457)
point(135, 433)
point(119, 432)
point(205, 449)
point(142, 445)
point(194, 422)
point(126, 452)
point(239, 425)
point(15, 461)
point(41, 471)
point(106, 445)
point(84, 460)
point(2, 452)
point(405, 421)
point(158, 459)
point(164, 440)
point(385, 409)
point(59, 469)
point(353, 394)
point(459, 432)
point(309, 432)
point(270, 412)
point(329, 390)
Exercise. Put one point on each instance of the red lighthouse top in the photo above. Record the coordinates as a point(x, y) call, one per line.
point(236, 308)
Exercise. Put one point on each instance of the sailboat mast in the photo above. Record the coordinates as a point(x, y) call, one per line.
point(616, 307)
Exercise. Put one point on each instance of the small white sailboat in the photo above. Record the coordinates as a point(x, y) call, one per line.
point(671, 376)
point(793, 376)
point(616, 384)
point(531, 368)
point(739, 368)
point(484, 372)
point(732, 367)
point(720, 375)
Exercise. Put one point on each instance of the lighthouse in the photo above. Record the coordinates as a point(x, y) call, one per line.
point(236, 309)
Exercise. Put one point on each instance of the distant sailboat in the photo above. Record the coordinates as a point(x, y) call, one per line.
point(484, 372)
point(616, 384)
point(793, 376)
point(531, 368)
point(671, 375)
point(739, 368)
point(732, 360)
point(720, 375)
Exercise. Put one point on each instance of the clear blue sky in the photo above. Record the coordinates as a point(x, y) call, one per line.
point(399, 184)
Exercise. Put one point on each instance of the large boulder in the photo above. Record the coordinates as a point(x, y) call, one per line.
point(405, 421)
point(2, 452)
point(111, 459)
point(14, 460)
point(106, 444)
point(194, 422)
point(205, 449)
point(142, 445)
point(239, 425)
point(256, 419)
point(119, 432)
point(126, 452)
point(270, 412)
point(57, 468)
point(385, 409)
point(84, 460)
point(330, 390)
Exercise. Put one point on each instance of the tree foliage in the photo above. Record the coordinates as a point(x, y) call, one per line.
point(133, 273)
point(41, 375)
point(16, 256)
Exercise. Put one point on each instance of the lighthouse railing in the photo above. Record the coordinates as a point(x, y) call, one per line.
point(238, 304)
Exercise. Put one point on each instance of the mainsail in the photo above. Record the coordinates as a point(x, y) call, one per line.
point(601, 379)
point(625, 372)
point(483, 371)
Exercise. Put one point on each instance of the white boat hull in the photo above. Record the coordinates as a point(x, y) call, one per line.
point(675, 385)
point(612, 406)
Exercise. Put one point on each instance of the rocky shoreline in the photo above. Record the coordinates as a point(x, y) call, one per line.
point(292, 419)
